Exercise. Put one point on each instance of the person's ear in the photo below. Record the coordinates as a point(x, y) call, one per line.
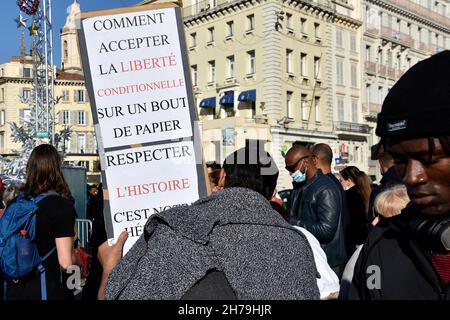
point(221, 183)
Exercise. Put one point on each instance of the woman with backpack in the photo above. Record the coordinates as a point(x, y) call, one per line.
point(53, 228)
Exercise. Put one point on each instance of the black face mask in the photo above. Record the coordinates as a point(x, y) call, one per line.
point(434, 234)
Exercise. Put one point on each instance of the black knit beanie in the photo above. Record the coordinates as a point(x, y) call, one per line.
point(418, 105)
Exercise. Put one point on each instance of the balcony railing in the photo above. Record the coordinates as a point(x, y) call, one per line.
point(351, 127)
point(421, 11)
point(371, 67)
point(371, 107)
point(382, 70)
point(397, 36)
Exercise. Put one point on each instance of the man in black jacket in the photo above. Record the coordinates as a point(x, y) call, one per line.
point(321, 210)
point(408, 257)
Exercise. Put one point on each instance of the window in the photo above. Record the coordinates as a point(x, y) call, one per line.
point(303, 64)
point(408, 62)
point(408, 28)
point(66, 117)
point(419, 30)
point(194, 74)
point(317, 30)
point(230, 25)
point(290, 112)
point(211, 34)
point(289, 68)
point(303, 25)
point(289, 21)
point(389, 21)
point(368, 96)
point(2, 117)
point(380, 57)
point(67, 145)
point(81, 118)
point(193, 40)
point(353, 42)
point(2, 94)
point(66, 50)
point(339, 38)
point(317, 109)
point(230, 63)
point(368, 53)
point(316, 67)
point(397, 25)
point(340, 71)
point(65, 96)
point(81, 142)
point(303, 107)
point(250, 22)
point(26, 93)
point(389, 58)
point(399, 62)
point(354, 75)
point(2, 142)
point(355, 111)
point(340, 108)
point(27, 72)
point(380, 95)
point(251, 62)
point(212, 71)
point(79, 96)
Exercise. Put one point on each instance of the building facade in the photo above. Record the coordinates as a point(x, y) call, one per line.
point(268, 70)
point(398, 34)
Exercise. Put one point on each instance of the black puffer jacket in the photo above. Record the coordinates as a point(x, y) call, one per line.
point(320, 214)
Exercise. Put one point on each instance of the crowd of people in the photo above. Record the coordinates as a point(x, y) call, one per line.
point(343, 237)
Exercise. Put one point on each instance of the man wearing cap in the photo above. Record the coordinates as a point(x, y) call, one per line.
point(408, 256)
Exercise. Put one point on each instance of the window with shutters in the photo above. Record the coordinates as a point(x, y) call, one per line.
point(81, 118)
point(66, 117)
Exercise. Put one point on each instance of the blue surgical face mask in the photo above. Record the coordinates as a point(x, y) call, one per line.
point(299, 176)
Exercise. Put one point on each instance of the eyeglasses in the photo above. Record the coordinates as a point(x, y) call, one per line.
point(291, 168)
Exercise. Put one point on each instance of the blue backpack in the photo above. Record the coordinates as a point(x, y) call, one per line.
point(19, 255)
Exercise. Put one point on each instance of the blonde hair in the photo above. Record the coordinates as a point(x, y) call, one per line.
point(391, 201)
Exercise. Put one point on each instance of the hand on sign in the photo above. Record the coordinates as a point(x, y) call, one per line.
point(109, 256)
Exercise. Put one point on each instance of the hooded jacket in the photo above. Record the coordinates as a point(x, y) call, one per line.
point(234, 231)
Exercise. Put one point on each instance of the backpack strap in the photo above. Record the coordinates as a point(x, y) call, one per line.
point(45, 194)
point(41, 270)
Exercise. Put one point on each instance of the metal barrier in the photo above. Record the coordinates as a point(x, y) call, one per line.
point(84, 231)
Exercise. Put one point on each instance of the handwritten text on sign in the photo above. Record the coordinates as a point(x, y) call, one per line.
point(138, 77)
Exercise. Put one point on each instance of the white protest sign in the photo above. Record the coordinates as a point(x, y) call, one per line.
point(136, 69)
point(137, 76)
